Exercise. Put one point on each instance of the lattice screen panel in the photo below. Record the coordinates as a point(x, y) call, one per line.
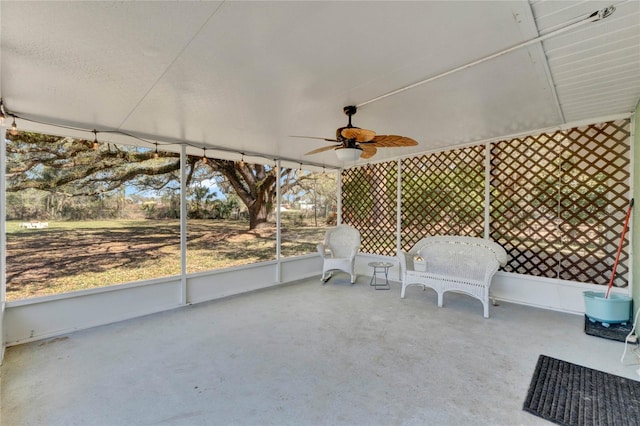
point(559, 201)
point(443, 194)
point(369, 195)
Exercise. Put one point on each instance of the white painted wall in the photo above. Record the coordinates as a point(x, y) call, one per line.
point(213, 285)
point(48, 316)
point(44, 317)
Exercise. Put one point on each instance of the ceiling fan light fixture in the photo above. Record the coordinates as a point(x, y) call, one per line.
point(348, 154)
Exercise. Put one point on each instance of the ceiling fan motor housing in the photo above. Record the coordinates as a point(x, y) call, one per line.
point(350, 110)
point(350, 137)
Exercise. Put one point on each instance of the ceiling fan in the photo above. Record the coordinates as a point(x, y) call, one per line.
point(354, 142)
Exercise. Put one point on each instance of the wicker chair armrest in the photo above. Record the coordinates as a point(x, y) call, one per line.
point(491, 269)
point(406, 260)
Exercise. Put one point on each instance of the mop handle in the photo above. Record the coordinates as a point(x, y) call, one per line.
point(615, 264)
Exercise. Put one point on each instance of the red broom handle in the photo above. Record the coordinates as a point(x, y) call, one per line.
point(615, 264)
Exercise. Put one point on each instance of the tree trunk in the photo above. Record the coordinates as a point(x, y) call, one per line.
point(262, 205)
point(253, 185)
point(258, 216)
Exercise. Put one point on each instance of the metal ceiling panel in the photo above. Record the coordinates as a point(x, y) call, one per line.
point(90, 62)
point(256, 76)
point(245, 76)
point(596, 68)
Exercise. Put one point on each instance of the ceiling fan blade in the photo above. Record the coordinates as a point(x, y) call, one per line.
point(368, 151)
point(360, 135)
point(314, 137)
point(387, 141)
point(324, 148)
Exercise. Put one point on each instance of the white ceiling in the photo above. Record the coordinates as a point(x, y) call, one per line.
point(245, 76)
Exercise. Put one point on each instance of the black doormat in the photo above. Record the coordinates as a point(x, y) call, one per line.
point(569, 394)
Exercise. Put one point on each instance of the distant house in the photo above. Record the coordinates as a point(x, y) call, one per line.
point(306, 206)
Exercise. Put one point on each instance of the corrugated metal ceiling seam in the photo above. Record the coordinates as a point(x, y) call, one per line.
point(633, 73)
point(613, 94)
point(630, 59)
point(601, 98)
point(589, 69)
point(630, 48)
point(598, 93)
point(589, 111)
point(595, 73)
point(597, 40)
point(632, 41)
point(612, 83)
point(629, 101)
point(611, 78)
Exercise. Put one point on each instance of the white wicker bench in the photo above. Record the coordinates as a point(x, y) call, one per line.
point(452, 263)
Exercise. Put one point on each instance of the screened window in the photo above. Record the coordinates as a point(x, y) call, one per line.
point(230, 214)
point(81, 216)
point(307, 210)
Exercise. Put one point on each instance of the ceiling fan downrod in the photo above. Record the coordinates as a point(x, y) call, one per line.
point(350, 110)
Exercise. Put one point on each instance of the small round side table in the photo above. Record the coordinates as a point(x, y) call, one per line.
point(381, 269)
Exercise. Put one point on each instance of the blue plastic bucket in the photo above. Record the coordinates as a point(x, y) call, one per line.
point(612, 310)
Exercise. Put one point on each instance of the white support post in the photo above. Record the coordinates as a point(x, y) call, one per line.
point(632, 166)
point(3, 235)
point(339, 203)
point(183, 225)
point(487, 190)
point(399, 208)
point(278, 222)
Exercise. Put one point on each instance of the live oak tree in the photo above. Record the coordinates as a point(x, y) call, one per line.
point(75, 168)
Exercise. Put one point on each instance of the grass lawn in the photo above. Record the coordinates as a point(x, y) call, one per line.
point(69, 256)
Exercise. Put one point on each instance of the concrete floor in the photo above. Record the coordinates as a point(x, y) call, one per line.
point(301, 354)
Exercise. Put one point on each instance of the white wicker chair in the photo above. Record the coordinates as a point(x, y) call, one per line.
point(453, 263)
point(341, 244)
